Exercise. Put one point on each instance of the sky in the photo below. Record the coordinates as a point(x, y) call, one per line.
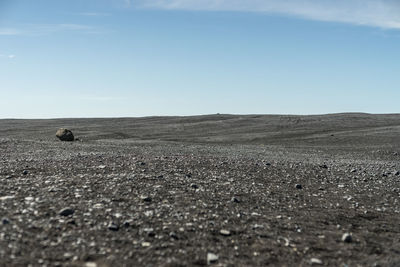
point(121, 58)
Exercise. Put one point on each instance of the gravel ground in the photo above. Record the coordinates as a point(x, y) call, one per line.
point(124, 200)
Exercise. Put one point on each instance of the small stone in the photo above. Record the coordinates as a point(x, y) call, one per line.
point(5, 221)
point(211, 258)
point(397, 173)
point(9, 177)
point(90, 264)
point(146, 198)
point(267, 164)
point(68, 255)
point(113, 227)
point(173, 235)
point(71, 222)
point(98, 206)
point(235, 200)
point(65, 135)
point(225, 232)
point(347, 238)
point(6, 198)
point(315, 261)
point(194, 186)
point(66, 212)
point(25, 172)
point(324, 166)
point(146, 244)
point(299, 186)
point(150, 232)
point(353, 170)
point(29, 199)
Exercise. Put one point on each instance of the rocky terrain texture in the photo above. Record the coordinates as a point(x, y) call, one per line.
point(219, 190)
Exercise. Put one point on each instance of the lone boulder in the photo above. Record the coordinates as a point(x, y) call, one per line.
point(65, 135)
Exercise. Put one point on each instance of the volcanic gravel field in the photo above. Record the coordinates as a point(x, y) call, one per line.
point(221, 190)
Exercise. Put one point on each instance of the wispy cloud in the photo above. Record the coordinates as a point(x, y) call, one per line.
point(128, 2)
point(8, 31)
point(376, 13)
point(100, 98)
point(94, 14)
point(11, 56)
point(45, 29)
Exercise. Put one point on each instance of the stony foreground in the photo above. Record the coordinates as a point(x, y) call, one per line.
point(124, 202)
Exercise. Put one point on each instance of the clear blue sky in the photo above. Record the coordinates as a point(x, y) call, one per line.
point(114, 58)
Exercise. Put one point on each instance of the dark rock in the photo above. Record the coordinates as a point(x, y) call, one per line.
point(65, 135)
point(347, 238)
point(235, 199)
point(173, 235)
point(66, 212)
point(25, 172)
point(194, 186)
point(5, 221)
point(71, 222)
point(113, 227)
point(299, 186)
point(146, 198)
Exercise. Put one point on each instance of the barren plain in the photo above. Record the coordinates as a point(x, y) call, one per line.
point(222, 190)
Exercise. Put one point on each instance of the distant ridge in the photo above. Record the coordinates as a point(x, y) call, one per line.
point(326, 129)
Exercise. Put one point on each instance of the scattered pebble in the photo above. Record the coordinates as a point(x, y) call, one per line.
point(225, 232)
point(235, 199)
point(173, 235)
point(25, 172)
point(6, 198)
point(299, 186)
point(347, 238)
point(194, 186)
point(113, 227)
point(315, 261)
point(211, 258)
point(146, 198)
point(66, 212)
point(146, 244)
